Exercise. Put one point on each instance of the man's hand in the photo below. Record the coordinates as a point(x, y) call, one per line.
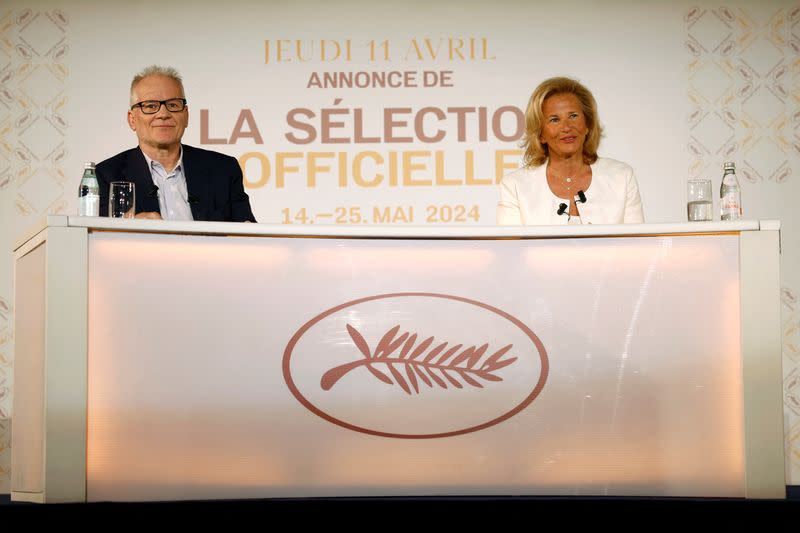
point(152, 215)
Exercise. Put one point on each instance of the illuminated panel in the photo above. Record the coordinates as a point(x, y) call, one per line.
point(188, 365)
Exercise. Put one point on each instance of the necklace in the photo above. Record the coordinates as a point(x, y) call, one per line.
point(566, 185)
point(567, 181)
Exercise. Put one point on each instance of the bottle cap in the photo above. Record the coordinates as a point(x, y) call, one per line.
point(729, 164)
point(89, 164)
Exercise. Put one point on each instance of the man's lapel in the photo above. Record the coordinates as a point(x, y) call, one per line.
point(146, 192)
point(196, 179)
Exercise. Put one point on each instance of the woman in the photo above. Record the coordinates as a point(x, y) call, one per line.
point(562, 180)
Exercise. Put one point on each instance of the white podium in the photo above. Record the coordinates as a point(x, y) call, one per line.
point(189, 361)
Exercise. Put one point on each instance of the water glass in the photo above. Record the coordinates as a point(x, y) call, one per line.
point(698, 200)
point(122, 200)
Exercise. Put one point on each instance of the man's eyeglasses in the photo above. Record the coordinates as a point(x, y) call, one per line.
point(151, 107)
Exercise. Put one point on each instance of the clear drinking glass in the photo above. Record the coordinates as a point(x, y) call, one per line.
point(122, 200)
point(698, 200)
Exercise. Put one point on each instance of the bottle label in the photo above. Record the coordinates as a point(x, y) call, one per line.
point(729, 202)
point(89, 205)
point(730, 207)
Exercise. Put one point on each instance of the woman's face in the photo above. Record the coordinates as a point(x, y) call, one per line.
point(564, 128)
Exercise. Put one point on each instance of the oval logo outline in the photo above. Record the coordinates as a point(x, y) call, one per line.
point(287, 376)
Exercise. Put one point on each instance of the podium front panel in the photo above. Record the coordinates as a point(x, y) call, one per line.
point(249, 367)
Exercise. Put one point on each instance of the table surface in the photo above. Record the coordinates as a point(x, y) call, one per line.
point(393, 232)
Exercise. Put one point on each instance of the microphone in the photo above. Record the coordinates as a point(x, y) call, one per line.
point(153, 192)
point(579, 198)
point(561, 208)
point(193, 199)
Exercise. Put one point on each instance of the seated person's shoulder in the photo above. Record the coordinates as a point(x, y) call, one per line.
point(115, 161)
point(207, 156)
point(612, 166)
point(518, 175)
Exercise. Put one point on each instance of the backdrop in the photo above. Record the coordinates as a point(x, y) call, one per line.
point(406, 112)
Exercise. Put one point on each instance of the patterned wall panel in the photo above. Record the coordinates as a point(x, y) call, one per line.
point(744, 87)
point(33, 144)
point(791, 385)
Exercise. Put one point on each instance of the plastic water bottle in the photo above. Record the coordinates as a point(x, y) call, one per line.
point(730, 194)
point(89, 193)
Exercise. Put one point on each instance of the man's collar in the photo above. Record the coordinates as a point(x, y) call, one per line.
point(151, 163)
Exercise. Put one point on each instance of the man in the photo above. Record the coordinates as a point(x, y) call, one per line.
point(173, 181)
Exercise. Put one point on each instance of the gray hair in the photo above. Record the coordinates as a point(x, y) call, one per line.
point(156, 70)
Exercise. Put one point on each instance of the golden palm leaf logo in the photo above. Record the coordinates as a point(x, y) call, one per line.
point(439, 366)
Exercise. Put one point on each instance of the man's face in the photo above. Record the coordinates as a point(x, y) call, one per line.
point(164, 129)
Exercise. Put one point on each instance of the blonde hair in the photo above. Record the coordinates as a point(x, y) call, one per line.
point(155, 70)
point(537, 153)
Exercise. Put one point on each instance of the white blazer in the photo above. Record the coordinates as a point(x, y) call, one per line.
point(612, 197)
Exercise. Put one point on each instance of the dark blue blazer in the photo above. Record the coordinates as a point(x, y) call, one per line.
point(214, 182)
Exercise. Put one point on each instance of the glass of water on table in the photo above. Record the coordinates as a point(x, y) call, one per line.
point(122, 200)
point(698, 200)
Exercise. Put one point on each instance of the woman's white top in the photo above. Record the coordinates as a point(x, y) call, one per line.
point(612, 197)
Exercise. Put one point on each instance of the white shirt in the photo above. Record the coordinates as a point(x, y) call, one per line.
point(612, 197)
point(173, 196)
